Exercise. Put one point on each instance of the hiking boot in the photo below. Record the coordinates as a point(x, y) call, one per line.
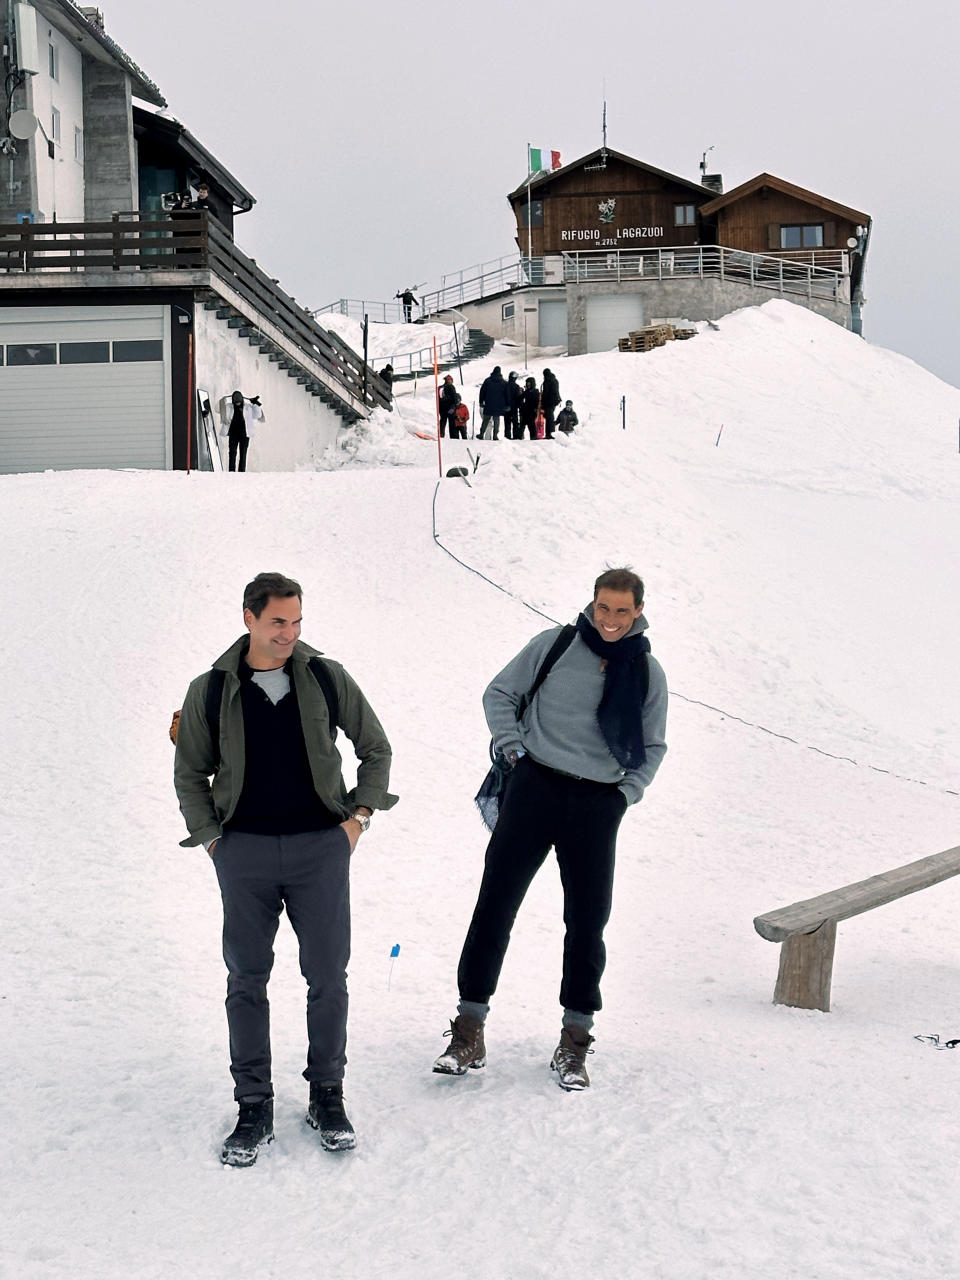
point(326, 1113)
point(254, 1130)
point(465, 1048)
point(570, 1058)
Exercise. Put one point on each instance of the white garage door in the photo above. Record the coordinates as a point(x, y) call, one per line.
point(611, 316)
point(84, 387)
point(552, 321)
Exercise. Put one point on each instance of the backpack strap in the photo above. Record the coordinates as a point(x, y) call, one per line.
point(325, 680)
point(560, 645)
point(213, 701)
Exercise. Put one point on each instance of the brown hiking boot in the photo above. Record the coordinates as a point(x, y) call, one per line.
point(570, 1058)
point(465, 1049)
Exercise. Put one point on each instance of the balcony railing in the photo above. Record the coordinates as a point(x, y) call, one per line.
point(192, 241)
point(766, 271)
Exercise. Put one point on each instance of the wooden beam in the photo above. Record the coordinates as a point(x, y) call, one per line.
point(853, 899)
point(806, 969)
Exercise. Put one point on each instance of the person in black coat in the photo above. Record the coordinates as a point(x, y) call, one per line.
point(550, 398)
point(494, 402)
point(447, 401)
point(529, 407)
point(511, 423)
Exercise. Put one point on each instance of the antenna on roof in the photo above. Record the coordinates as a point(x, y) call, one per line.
point(587, 168)
point(703, 163)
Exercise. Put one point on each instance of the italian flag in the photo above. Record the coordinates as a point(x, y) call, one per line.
point(541, 158)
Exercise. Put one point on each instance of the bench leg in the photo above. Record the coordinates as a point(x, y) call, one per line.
point(806, 969)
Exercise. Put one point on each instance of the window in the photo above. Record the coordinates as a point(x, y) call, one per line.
point(54, 125)
point(84, 352)
point(136, 350)
point(53, 54)
point(78, 143)
point(802, 237)
point(32, 353)
point(507, 311)
point(684, 215)
point(532, 214)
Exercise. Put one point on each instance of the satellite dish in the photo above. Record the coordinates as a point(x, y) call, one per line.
point(852, 242)
point(23, 124)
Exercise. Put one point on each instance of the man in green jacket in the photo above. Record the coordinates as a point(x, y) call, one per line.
point(260, 785)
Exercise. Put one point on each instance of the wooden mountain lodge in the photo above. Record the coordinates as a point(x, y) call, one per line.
point(609, 244)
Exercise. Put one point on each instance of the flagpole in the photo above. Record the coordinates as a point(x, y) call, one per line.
point(529, 221)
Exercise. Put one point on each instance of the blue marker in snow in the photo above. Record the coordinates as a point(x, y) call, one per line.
point(394, 952)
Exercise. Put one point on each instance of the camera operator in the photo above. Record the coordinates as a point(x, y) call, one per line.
point(238, 416)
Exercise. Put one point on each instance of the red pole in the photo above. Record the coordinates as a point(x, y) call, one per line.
point(189, 397)
point(436, 400)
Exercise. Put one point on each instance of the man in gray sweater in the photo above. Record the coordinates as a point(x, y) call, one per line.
point(583, 749)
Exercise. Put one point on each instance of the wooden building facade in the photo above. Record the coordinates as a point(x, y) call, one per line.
point(607, 201)
point(612, 243)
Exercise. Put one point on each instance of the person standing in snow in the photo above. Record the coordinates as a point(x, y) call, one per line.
point(280, 826)
point(447, 401)
point(579, 753)
point(409, 302)
point(567, 419)
point(549, 399)
point(528, 410)
point(494, 402)
point(511, 423)
point(238, 423)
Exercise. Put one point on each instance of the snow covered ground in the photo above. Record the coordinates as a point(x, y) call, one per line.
point(801, 581)
point(399, 342)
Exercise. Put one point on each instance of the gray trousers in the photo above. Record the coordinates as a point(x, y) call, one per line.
point(309, 874)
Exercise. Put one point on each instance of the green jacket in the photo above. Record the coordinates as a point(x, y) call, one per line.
point(207, 806)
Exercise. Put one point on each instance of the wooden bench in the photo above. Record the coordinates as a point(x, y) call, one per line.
point(808, 930)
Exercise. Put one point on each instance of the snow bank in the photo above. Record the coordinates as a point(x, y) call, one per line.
point(801, 580)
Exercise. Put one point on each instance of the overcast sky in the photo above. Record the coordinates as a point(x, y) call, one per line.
point(381, 139)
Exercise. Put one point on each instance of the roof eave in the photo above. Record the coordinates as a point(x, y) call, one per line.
point(141, 85)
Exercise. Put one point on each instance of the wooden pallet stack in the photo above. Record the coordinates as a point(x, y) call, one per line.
point(652, 335)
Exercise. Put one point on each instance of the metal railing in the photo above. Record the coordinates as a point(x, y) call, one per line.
point(766, 271)
point(819, 273)
point(357, 308)
point(506, 274)
point(193, 241)
point(408, 361)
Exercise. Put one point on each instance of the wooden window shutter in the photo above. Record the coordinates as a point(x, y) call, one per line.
point(773, 235)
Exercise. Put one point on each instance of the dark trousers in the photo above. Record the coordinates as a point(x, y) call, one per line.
point(487, 419)
point(241, 442)
point(580, 820)
point(526, 426)
point(550, 422)
point(309, 874)
point(511, 425)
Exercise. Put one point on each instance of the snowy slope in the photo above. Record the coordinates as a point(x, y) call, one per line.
point(801, 595)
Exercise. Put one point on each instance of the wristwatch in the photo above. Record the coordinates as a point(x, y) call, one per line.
point(363, 819)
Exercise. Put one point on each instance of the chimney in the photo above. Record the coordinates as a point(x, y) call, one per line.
point(714, 181)
point(93, 15)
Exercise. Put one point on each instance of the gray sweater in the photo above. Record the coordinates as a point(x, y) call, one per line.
point(560, 727)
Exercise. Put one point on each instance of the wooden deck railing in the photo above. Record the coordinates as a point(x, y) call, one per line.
point(143, 241)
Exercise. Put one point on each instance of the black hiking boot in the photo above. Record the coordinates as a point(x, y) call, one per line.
point(326, 1113)
point(570, 1058)
point(465, 1050)
point(254, 1130)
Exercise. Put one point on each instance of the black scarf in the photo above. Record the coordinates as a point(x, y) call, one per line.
point(626, 678)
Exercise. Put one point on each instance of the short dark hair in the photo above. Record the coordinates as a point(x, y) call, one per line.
point(620, 580)
point(258, 592)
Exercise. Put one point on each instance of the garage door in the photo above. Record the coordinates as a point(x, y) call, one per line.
point(84, 387)
point(611, 316)
point(552, 321)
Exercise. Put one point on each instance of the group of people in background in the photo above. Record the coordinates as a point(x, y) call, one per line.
point(522, 407)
